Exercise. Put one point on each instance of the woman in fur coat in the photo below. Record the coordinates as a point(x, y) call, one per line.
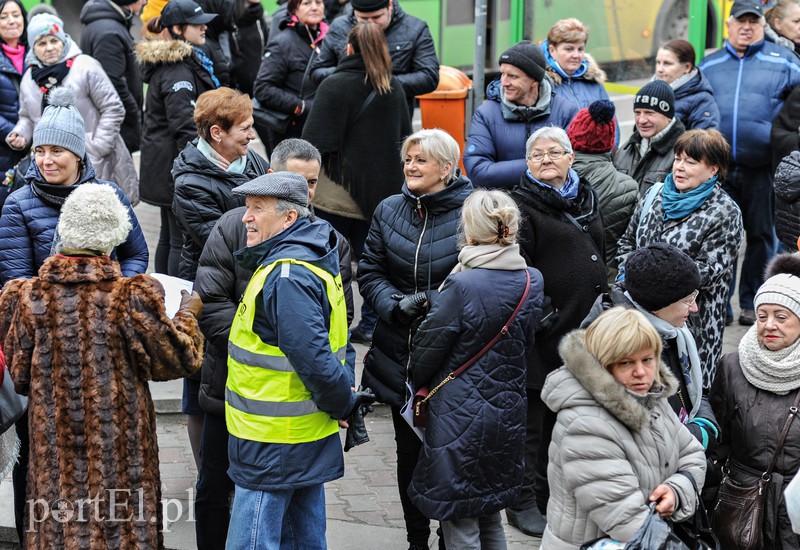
point(617, 446)
point(82, 342)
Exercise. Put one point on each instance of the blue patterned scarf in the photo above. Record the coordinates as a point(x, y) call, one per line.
point(570, 189)
point(207, 64)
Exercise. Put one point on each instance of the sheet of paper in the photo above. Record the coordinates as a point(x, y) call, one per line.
point(172, 291)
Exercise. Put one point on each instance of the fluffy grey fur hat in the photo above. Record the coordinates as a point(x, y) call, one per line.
point(93, 218)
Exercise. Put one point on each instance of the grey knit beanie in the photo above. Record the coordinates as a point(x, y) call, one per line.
point(527, 57)
point(288, 186)
point(93, 218)
point(61, 123)
point(781, 290)
point(46, 24)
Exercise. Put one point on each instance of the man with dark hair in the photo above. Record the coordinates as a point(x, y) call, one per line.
point(518, 102)
point(411, 47)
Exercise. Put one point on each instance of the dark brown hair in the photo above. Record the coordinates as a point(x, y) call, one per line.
point(223, 107)
point(682, 49)
point(368, 39)
point(707, 146)
point(23, 39)
point(154, 27)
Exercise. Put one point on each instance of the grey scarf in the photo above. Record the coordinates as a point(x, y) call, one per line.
point(773, 371)
point(490, 256)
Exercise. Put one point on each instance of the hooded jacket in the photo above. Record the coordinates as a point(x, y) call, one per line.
point(584, 86)
point(412, 246)
point(494, 155)
point(28, 225)
point(102, 111)
point(787, 200)
point(414, 61)
point(302, 337)
point(610, 449)
point(221, 281)
point(175, 80)
point(750, 92)
point(656, 163)
point(695, 105)
point(618, 194)
point(107, 37)
point(570, 259)
point(471, 463)
point(203, 193)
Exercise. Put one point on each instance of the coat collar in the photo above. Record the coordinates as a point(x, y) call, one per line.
point(60, 269)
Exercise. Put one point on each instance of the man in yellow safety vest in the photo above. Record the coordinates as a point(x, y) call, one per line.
point(290, 370)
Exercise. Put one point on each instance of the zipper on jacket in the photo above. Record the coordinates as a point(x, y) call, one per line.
point(424, 219)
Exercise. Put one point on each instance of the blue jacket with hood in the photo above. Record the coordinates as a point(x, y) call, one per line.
point(494, 155)
point(293, 313)
point(28, 226)
point(695, 105)
point(750, 92)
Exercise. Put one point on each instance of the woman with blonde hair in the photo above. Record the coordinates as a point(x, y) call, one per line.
point(411, 248)
point(359, 120)
point(783, 24)
point(617, 446)
point(471, 464)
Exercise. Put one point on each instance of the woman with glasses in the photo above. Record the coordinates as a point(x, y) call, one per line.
point(561, 235)
point(662, 283)
point(691, 212)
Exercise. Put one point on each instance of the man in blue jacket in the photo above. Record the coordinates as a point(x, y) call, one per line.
point(288, 378)
point(751, 79)
point(518, 102)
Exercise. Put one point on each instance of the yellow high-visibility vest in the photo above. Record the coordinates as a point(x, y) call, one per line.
point(265, 400)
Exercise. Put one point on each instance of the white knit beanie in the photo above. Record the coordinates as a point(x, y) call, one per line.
point(782, 289)
point(93, 218)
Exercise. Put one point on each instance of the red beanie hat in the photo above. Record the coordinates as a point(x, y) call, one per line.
point(592, 130)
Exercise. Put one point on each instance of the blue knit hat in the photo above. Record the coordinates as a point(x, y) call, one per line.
point(61, 123)
point(46, 24)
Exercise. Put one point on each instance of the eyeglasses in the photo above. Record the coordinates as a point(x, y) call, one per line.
point(538, 156)
point(689, 302)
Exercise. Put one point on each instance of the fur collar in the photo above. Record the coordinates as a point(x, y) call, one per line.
point(163, 51)
point(631, 410)
point(60, 269)
point(593, 72)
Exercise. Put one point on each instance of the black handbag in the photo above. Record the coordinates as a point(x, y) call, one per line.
point(738, 516)
point(696, 532)
point(278, 121)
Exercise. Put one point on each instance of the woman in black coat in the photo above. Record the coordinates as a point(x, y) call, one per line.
point(410, 249)
point(562, 236)
point(471, 465)
point(358, 122)
point(283, 83)
point(176, 72)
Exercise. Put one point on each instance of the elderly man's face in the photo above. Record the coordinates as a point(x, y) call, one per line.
point(518, 87)
point(261, 220)
point(381, 17)
point(649, 122)
point(745, 30)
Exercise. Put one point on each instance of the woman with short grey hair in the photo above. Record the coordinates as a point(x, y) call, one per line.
point(561, 236)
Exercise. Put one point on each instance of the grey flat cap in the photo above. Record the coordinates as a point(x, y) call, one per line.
point(288, 186)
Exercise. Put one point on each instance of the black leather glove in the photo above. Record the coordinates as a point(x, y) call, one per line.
point(357, 428)
point(410, 308)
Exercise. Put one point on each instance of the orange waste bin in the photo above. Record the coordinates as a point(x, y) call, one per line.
point(446, 107)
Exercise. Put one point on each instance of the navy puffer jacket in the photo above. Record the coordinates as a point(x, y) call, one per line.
point(471, 463)
point(9, 111)
point(28, 225)
point(695, 105)
point(412, 246)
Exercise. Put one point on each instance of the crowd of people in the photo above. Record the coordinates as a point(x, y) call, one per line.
point(545, 326)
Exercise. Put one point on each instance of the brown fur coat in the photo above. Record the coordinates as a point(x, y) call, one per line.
point(83, 342)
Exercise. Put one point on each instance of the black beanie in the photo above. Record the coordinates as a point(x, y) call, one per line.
point(656, 96)
point(527, 57)
point(369, 5)
point(659, 275)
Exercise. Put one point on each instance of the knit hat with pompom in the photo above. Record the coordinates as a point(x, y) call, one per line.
point(61, 124)
point(593, 129)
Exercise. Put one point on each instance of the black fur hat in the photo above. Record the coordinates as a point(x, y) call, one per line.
point(784, 263)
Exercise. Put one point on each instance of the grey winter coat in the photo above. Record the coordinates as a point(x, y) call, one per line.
point(711, 236)
point(656, 163)
point(610, 449)
point(101, 108)
point(618, 194)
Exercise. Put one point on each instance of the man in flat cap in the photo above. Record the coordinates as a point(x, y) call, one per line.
point(414, 60)
point(518, 102)
point(288, 378)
